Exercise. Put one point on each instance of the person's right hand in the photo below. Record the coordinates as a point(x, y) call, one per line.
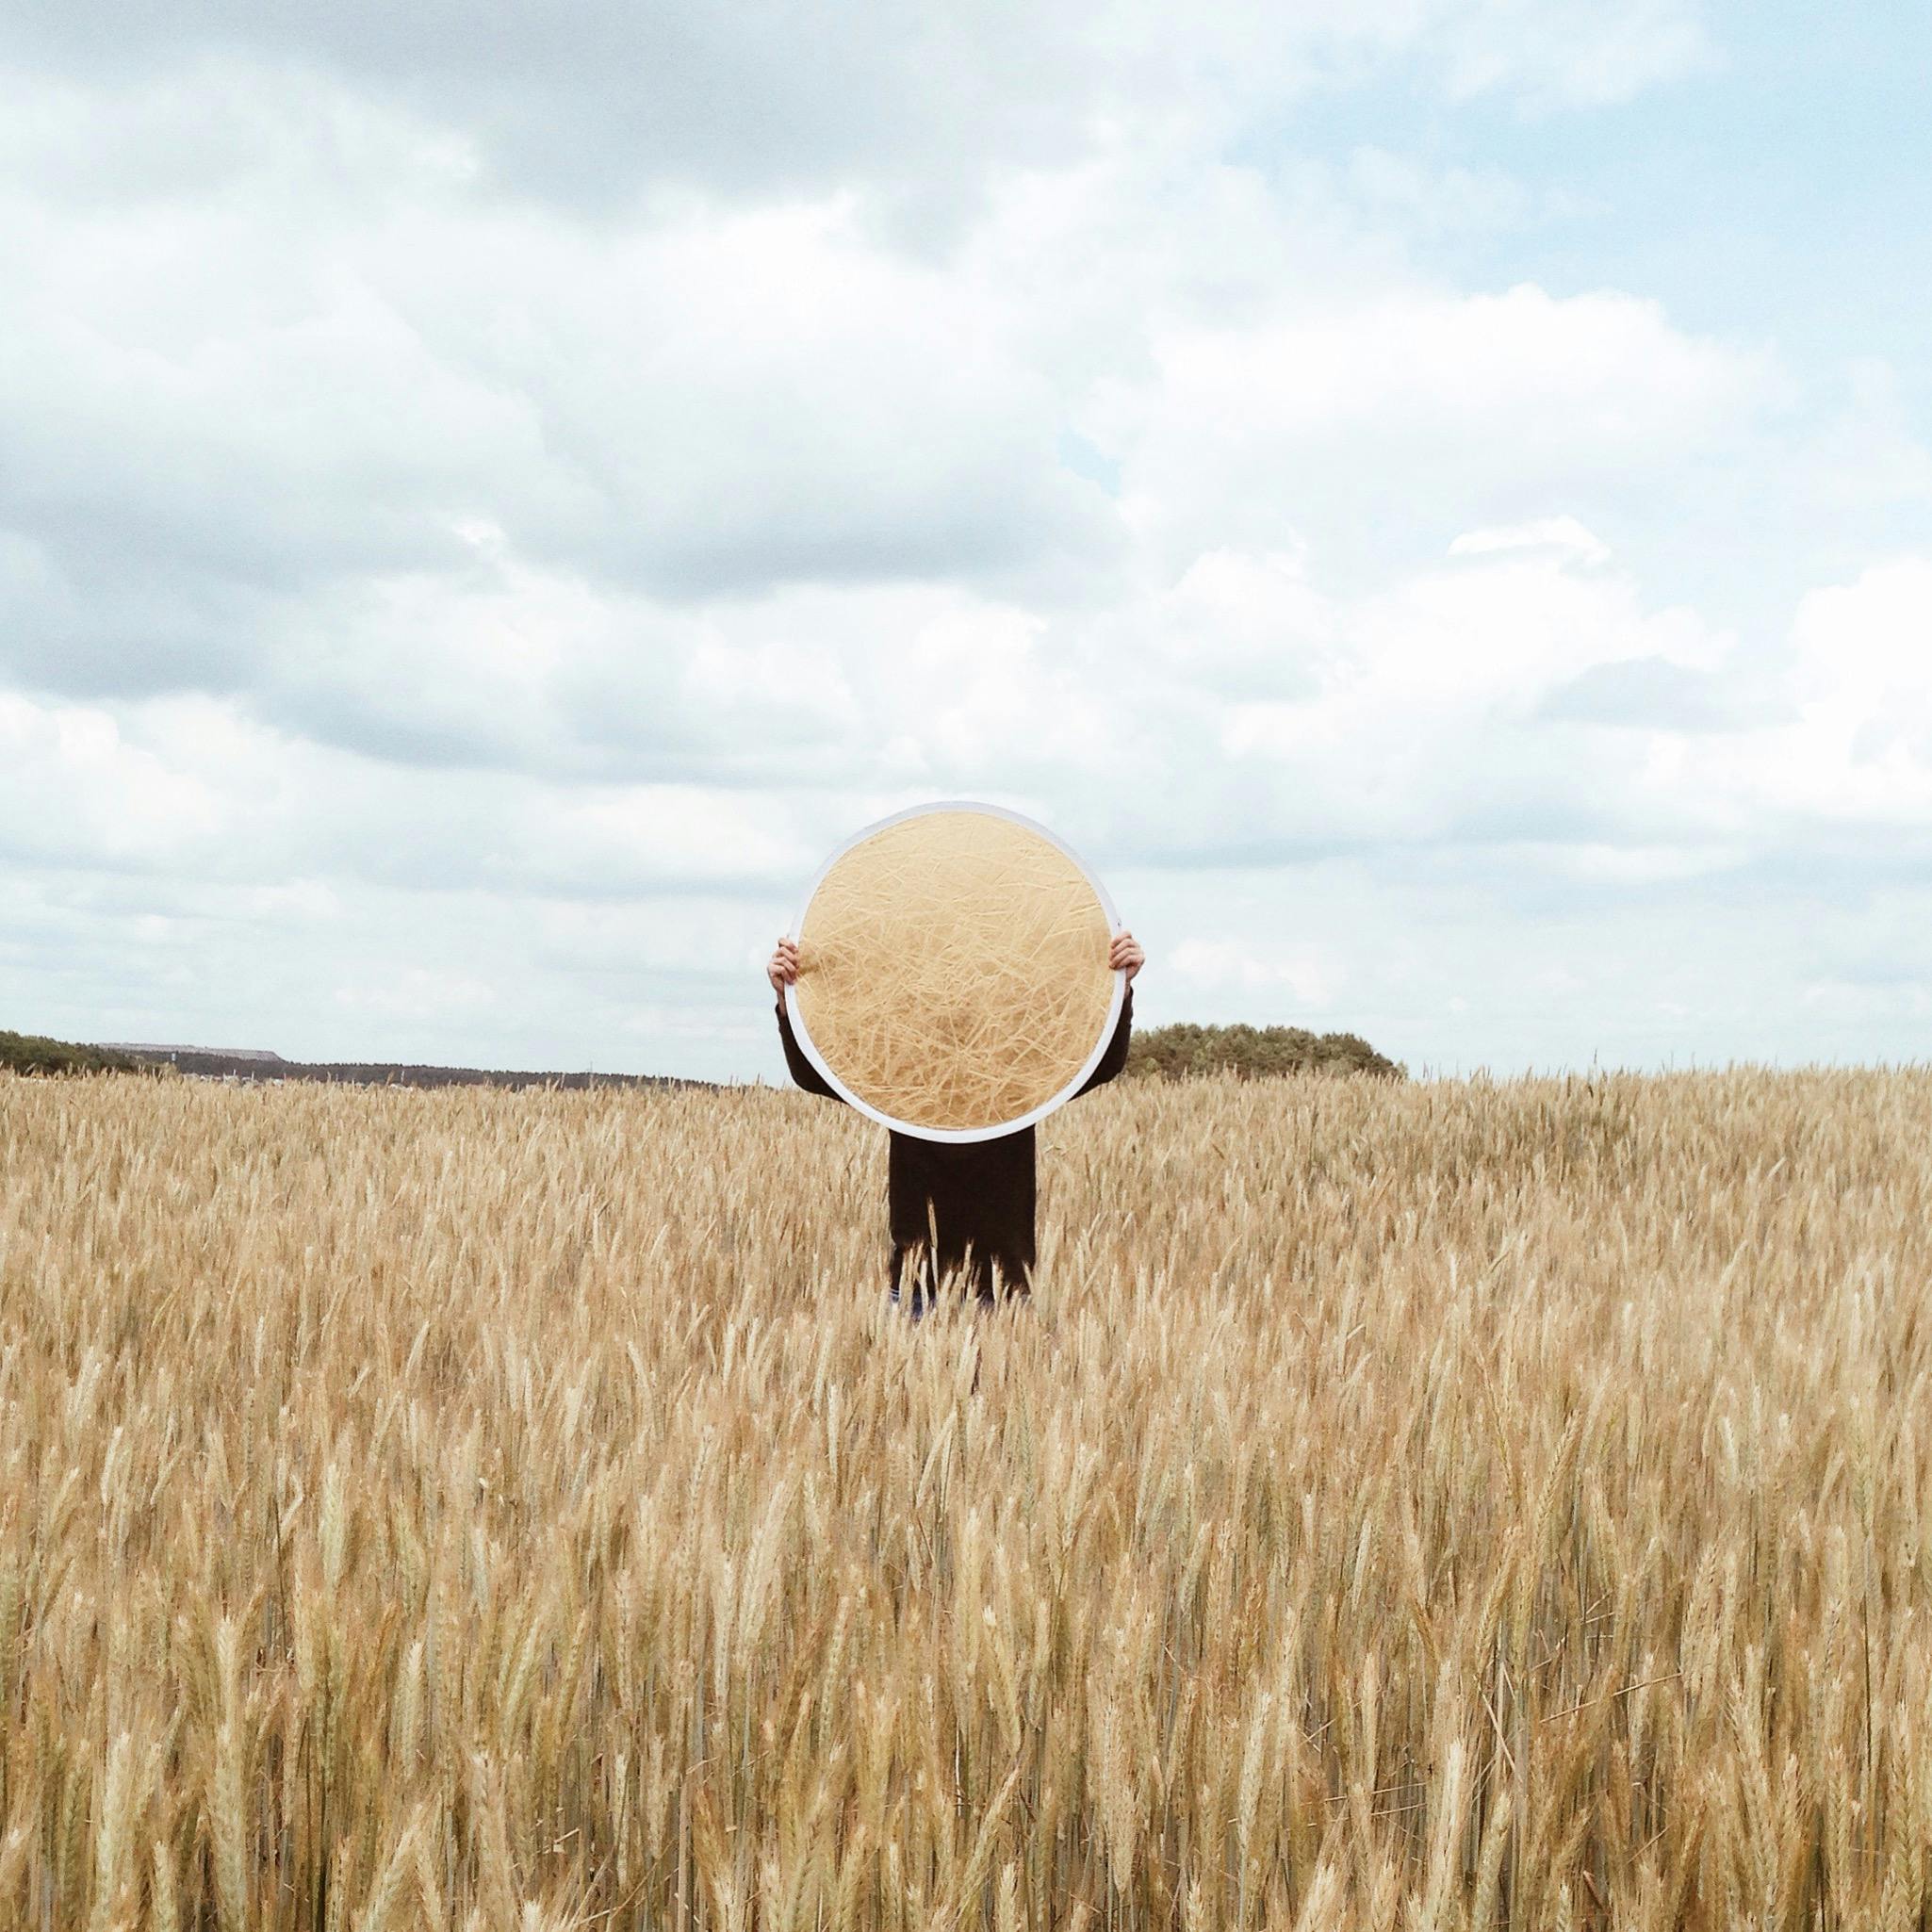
point(783, 969)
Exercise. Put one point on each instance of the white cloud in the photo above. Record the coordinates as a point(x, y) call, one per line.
point(74, 789)
point(1358, 421)
point(1863, 683)
point(1864, 649)
point(1562, 536)
point(416, 993)
point(1579, 55)
point(920, 106)
point(1427, 719)
point(1214, 964)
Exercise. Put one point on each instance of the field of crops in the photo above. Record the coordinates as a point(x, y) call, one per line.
point(1423, 1506)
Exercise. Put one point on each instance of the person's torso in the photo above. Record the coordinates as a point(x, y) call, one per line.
point(981, 1190)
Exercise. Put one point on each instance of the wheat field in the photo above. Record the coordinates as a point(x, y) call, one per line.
point(1440, 1505)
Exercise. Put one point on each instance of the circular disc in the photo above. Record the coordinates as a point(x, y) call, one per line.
point(953, 978)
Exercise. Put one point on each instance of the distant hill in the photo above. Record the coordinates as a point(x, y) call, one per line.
point(143, 1050)
point(1170, 1053)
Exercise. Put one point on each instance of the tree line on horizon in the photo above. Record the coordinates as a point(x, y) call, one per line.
point(31, 1053)
point(1168, 1053)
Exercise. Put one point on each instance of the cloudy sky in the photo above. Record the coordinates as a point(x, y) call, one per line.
point(1432, 498)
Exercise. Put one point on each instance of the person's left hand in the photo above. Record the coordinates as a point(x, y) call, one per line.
point(1124, 954)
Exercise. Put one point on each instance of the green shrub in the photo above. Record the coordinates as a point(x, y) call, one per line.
point(1170, 1053)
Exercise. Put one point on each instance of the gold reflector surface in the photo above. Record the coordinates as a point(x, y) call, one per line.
point(953, 970)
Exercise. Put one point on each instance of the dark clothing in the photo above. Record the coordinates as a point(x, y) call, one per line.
point(980, 1192)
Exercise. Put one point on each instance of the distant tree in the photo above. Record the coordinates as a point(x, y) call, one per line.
point(1171, 1052)
point(27, 1053)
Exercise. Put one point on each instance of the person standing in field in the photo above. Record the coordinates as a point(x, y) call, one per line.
point(960, 1204)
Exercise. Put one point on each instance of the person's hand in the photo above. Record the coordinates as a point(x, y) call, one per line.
point(782, 968)
point(1124, 956)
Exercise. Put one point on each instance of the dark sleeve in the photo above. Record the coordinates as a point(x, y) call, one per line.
point(1115, 1056)
point(807, 1076)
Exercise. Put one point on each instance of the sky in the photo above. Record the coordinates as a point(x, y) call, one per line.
point(1432, 499)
